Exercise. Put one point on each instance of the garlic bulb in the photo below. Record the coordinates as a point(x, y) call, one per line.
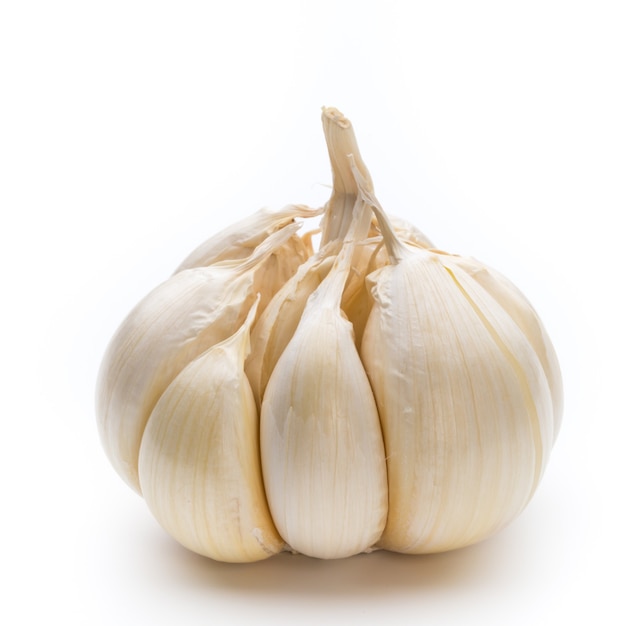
point(375, 393)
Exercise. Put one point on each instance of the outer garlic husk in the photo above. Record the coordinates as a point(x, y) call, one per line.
point(279, 320)
point(240, 239)
point(199, 463)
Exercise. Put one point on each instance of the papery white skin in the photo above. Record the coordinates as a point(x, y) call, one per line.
point(279, 320)
point(172, 325)
point(239, 240)
point(278, 268)
point(356, 302)
point(199, 463)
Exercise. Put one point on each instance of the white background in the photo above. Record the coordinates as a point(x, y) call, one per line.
point(130, 131)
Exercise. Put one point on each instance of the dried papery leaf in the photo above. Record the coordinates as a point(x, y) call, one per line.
point(241, 238)
point(307, 239)
point(356, 301)
point(278, 268)
point(172, 325)
point(278, 322)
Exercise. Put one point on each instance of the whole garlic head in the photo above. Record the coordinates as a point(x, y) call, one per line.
point(375, 393)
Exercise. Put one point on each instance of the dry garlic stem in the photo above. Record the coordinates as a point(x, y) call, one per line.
point(341, 142)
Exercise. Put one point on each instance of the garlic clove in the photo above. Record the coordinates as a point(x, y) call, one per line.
point(240, 239)
point(172, 325)
point(199, 464)
point(464, 405)
point(321, 444)
point(464, 402)
point(322, 450)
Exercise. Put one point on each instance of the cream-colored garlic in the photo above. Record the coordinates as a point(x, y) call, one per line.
point(374, 393)
point(279, 320)
point(174, 323)
point(199, 464)
point(239, 240)
point(321, 444)
point(464, 400)
point(517, 306)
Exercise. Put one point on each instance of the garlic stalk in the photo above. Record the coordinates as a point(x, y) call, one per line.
point(199, 464)
point(278, 322)
point(173, 324)
point(341, 142)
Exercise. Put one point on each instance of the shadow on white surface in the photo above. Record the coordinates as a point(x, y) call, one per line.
point(512, 558)
point(377, 574)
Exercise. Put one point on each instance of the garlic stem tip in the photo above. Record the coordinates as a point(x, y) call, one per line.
point(336, 116)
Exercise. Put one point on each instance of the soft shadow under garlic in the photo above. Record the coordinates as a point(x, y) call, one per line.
point(500, 562)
